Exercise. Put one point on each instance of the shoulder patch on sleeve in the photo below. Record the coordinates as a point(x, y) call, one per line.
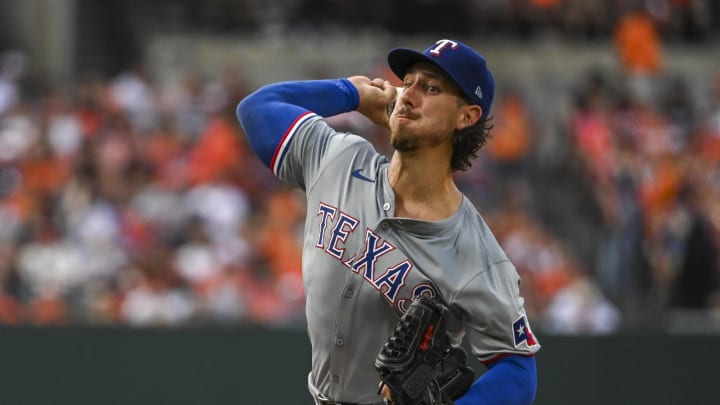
point(522, 333)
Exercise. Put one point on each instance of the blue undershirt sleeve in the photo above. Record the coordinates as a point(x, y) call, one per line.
point(511, 380)
point(268, 115)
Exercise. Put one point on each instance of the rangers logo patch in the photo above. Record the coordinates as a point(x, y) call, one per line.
point(522, 333)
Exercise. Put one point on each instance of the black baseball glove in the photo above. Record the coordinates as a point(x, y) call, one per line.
point(418, 364)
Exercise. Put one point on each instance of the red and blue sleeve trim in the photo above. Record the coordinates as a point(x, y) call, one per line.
point(271, 116)
point(284, 143)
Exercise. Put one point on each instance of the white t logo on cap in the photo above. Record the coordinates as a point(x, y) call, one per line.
point(442, 44)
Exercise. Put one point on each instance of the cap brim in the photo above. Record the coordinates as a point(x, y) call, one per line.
point(400, 59)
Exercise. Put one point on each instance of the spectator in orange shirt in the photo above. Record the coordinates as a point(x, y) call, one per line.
point(638, 42)
point(509, 151)
point(217, 152)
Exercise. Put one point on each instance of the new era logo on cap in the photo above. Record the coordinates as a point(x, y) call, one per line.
point(463, 64)
point(478, 92)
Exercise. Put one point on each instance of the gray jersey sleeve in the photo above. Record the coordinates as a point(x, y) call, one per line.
point(495, 321)
point(313, 146)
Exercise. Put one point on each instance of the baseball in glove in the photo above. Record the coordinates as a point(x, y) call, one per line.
point(418, 364)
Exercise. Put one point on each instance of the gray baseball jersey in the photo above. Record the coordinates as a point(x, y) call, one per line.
point(362, 265)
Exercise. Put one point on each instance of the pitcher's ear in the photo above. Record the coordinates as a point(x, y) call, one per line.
point(469, 116)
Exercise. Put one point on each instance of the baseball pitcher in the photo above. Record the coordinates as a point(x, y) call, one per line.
point(398, 265)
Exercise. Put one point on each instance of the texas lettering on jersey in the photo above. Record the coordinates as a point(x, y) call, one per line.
point(335, 228)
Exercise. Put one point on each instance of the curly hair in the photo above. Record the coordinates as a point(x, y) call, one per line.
point(468, 141)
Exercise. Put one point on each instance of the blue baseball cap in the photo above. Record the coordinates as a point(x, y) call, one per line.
point(463, 64)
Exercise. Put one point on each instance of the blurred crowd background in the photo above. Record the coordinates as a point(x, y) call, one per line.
point(128, 195)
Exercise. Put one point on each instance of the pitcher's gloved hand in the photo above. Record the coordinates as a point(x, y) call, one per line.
point(418, 365)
